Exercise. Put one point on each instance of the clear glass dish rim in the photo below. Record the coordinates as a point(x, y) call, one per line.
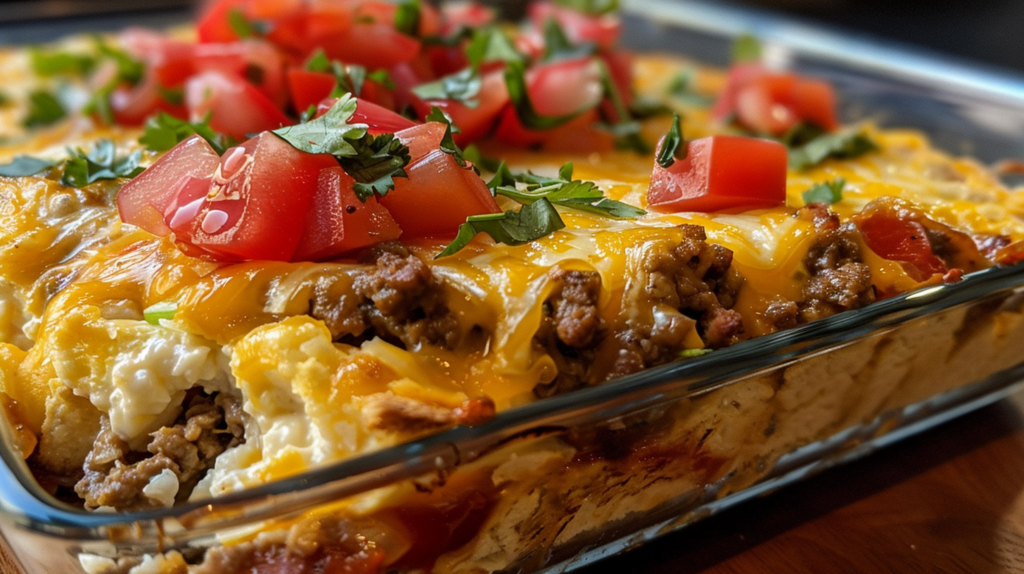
point(23, 502)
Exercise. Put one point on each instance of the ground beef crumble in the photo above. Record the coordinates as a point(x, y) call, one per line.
point(838, 279)
point(115, 476)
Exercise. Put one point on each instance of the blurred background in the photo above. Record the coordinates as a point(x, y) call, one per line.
point(987, 31)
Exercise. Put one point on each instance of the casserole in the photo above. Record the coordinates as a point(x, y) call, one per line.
point(679, 420)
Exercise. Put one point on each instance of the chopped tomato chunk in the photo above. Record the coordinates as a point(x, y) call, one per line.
point(340, 223)
point(475, 122)
point(721, 172)
point(309, 88)
point(439, 194)
point(773, 103)
point(380, 120)
point(603, 30)
point(901, 240)
point(235, 106)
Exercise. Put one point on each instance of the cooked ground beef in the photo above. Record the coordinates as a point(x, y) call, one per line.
point(115, 476)
point(838, 279)
point(674, 287)
point(395, 297)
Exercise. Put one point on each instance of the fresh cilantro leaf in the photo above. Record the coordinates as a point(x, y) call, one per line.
point(43, 109)
point(841, 145)
point(801, 134)
point(164, 310)
point(100, 162)
point(681, 88)
point(490, 44)
point(24, 165)
point(826, 192)
point(463, 86)
point(407, 17)
point(173, 96)
point(621, 124)
point(330, 133)
point(244, 27)
point(129, 69)
point(746, 48)
point(643, 107)
point(438, 115)
point(515, 81)
point(376, 162)
point(318, 62)
point(528, 188)
point(592, 7)
point(674, 146)
point(61, 63)
point(531, 222)
point(164, 131)
point(447, 144)
point(558, 47)
point(472, 154)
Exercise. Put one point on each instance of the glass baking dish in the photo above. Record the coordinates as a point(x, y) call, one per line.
point(580, 476)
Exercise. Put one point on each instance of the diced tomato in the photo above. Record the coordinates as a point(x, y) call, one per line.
point(373, 45)
point(719, 173)
point(235, 106)
point(620, 66)
point(254, 205)
point(456, 15)
point(302, 31)
point(380, 120)
point(214, 25)
point(445, 60)
point(340, 223)
point(439, 194)
point(171, 61)
point(475, 122)
point(555, 89)
point(132, 105)
point(254, 61)
point(144, 200)
point(774, 103)
point(309, 88)
point(603, 30)
point(902, 240)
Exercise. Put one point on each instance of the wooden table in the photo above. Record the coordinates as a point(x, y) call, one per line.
point(948, 500)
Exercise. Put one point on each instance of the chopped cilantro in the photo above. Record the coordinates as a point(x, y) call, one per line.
point(463, 86)
point(318, 62)
point(558, 47)
point(674, 146)
point(330, 133)
point(490, 44)
point(61, 63)
point(563, 190)
point(621, 124)
point(243, 27)
point(842, 145)
point(43, 109)
point(529, 223)
point(377, 162)
point(746, 48)
point(24, 165)
point(515, 81)
point(164, 131)
point(643, 107)
point(472, 154)
point(826, 192)
point(407, 17)
point(129, 69)
point(99, 163)
point(681, 88)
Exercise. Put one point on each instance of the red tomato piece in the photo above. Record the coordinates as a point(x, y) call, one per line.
point(235, 106)
point(214, 25)
point(373, 45)
point(438, 195)
point(901, 240)
point(309, 88)
point(721, 172)
point(171, 61)
point(132, 105)
point(254, 61)
point(774, 103)
point(144, 200)
point(475, 122)
point(603, 30)
point(256, 205)
point(380, 120)
point(340, 223)
point(456, 15)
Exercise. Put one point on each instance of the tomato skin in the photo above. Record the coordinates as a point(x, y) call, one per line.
point(309, 88)
point(773, 103)
point(214, 26)
point(144, 200)
point(265, 202)
point(340, 223)
point(455, 15)
point(379, 119)
point(719, 173)
point(236, 107)
point(603, 30)
point(374, 45)
point(476, 122)
point(438, 195)
point(132, 105)
point(255, 61)
point(171, 61)
point(901, 240)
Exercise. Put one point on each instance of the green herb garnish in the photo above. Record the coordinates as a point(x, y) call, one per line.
point(674, 147)
point(463, 86)
point(23, 166)
point(164, 131)
point(155, 313)
point(407, 17)
point(841, 145)
point(44, 109)
point(100, 162)
point(529, 223)
point(825, 192)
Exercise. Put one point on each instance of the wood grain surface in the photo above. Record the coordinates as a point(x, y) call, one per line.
point(948, 500)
